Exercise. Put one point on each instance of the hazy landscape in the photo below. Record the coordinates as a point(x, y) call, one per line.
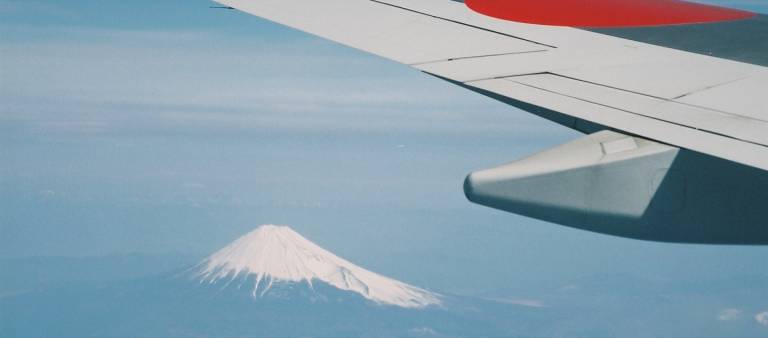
point(172, 296)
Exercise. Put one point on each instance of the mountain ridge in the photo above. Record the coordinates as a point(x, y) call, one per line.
point(276, 254)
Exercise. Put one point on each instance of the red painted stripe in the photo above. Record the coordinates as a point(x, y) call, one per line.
point(605, 13)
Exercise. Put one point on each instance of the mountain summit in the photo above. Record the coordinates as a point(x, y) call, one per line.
point(273, 254)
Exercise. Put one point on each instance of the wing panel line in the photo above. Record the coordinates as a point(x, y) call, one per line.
point(462, 23)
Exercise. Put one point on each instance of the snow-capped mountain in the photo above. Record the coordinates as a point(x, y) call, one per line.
point(272, 255)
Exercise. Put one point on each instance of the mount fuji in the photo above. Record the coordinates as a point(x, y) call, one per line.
point(276, 257)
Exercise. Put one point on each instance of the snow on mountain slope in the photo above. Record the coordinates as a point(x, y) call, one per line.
point(274, 254)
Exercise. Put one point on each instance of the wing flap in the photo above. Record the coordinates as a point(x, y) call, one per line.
point(683, 136)
point(715, 122)
point(659, 72)
point(744, 97)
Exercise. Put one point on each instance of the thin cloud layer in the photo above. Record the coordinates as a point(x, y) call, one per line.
point(78, 78)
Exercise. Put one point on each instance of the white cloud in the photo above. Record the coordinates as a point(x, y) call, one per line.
point(523, 302)
point(729, 314)
point(762, 318)
point(424, 331)
point(193, 185)
point(47, 193)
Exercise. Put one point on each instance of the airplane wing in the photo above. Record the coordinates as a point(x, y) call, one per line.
point(673, 95)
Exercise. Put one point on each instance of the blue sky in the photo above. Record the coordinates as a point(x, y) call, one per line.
point(169, 127)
